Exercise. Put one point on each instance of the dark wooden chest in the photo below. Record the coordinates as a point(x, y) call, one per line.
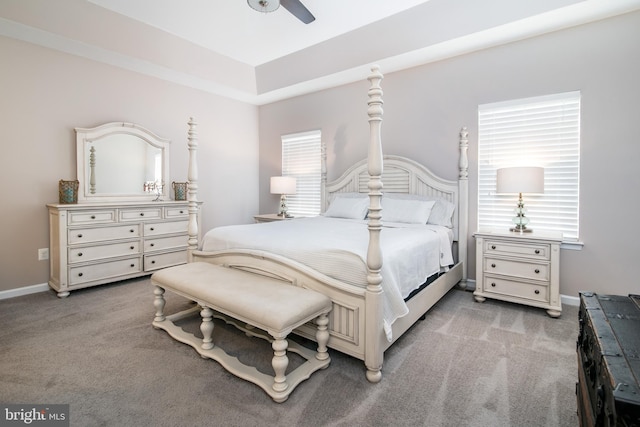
point(608, 350)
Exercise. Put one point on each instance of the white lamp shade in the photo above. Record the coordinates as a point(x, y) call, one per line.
point(526, 179)
point(283, 185)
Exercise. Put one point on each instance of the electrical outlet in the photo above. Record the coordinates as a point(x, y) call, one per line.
point(43, 254)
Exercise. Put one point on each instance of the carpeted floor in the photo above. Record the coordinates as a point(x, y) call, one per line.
point(467, 364)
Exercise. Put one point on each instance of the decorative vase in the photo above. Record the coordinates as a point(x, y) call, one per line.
point(68, 191)
point(179, 190)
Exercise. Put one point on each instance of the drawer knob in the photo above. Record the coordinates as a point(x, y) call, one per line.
point(181, 212)
point(493, 266)
point(79, 236)
point(537, 251)
point(493, 246)
point(80, 274)
point(133, 265)
point(152, 229)
point(537, 291)
point(132, 230)
point(79, 253)
point(537, 270)
point(153, 244)
point(493, 285)
point(141, 213)
point(153, 262)
point(132, 247)
point(93, 217)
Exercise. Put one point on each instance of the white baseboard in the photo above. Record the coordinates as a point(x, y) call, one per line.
point(18, 292)
point(564, 299)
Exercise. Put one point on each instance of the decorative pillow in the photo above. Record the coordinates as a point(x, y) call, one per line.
point(348, 207)
point(410, 211)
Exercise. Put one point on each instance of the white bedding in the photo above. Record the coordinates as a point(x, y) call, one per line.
point(337, 248)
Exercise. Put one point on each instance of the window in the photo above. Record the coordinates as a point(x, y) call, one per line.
point(542, 131)
point(302, 159)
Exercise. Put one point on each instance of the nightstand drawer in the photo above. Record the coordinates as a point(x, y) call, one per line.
point(520, 269)
point(496, 285)
point(534, 251)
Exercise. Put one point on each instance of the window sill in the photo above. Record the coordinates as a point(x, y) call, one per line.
point(572, 246)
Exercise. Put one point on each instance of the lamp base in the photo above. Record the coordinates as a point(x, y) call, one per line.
point(521, 230)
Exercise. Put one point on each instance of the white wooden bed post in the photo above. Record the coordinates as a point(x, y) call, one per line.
point(374, 352)
point(192, 177)
point(463, 196)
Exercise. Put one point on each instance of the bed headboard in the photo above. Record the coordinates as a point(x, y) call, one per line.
point(400, 175)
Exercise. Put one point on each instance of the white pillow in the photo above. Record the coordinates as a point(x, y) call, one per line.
point(441, 213)
point(348, 207)
point(410, 211)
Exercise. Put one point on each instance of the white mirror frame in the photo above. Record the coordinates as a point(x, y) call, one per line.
point(86, 135)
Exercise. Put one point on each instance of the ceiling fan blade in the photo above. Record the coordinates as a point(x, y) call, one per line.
point(297, 9)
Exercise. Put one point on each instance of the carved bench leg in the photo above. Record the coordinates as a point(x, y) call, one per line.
point(206, 327)
point(280, 362)
point(322, 337)
point(159, 303)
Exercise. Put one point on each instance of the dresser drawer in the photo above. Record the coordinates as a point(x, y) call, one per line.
point(176, 212)
point(533, 251)
point(91, 253)
point(521, 269)
point(112, 269)
point(512, 288)
point(140, 214)
point(170, 227)
point(86, 235)
point(165, 243)
point(92, 217)
point(154, 262)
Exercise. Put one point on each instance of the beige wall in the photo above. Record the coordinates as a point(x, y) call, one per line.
point(425, 107)
point(46, 93)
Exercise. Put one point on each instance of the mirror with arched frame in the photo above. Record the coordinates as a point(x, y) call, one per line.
point(121, 162)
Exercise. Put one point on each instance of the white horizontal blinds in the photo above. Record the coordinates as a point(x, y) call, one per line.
point(301, 158)
point(542, 131)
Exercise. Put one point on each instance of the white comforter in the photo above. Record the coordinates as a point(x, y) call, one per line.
point(338, 248)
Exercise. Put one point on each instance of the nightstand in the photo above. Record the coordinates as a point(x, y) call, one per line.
point(269, 217)
point(519, 267)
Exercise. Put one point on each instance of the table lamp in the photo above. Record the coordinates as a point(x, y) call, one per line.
point(283, 185)
point(522, 179)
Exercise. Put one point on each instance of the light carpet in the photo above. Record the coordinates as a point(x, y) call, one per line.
point(467, 364)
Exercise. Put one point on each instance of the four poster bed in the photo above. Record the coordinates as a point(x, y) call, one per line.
point(360, 274)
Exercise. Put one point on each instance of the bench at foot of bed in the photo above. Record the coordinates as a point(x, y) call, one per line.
point(261, 302)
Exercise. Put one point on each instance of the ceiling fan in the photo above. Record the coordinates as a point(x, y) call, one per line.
point(295, 7)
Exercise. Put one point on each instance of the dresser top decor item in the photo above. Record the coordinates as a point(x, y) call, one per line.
point(68, 191)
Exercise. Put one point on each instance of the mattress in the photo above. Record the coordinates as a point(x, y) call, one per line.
point(337, 248)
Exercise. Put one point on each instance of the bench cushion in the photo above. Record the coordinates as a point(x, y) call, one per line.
point(262, 301)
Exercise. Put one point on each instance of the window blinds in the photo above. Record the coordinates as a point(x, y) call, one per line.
point(301, 158)
point(542, 131)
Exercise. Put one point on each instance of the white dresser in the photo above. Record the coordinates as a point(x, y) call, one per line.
point(519, 267)
point(96, 243)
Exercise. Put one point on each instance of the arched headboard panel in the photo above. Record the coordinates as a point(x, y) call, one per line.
point(400, 175)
